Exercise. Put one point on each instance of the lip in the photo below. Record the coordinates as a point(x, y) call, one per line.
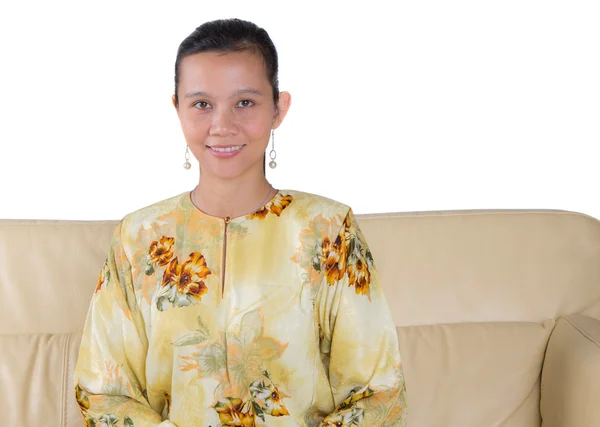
point(224, 155)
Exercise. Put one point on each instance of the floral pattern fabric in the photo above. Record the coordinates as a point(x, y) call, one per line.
point(276, 318)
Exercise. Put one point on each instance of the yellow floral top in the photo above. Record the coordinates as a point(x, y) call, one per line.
point(272, 319)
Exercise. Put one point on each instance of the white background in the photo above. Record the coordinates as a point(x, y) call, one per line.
point(397, 106)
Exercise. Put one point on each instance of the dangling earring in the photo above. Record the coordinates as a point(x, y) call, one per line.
point(272, 153)
point(187, 165)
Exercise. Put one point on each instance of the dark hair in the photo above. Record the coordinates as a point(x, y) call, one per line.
point(231, 35)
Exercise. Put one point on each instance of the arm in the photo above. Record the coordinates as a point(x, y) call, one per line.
point(358, 336)
point(571, 374)
point(110, 380)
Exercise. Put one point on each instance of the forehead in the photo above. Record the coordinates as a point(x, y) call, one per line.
point(220, 70)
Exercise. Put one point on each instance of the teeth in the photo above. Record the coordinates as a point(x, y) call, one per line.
point(226, 150)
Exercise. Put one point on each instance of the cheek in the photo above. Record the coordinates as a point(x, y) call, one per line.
point(257, 131)
point(255, 125)
point(194, 127)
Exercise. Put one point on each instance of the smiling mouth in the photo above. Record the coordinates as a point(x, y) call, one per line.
point(226, 149)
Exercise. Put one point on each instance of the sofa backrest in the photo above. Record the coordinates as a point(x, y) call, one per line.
point(474, 295)
point(487, 266)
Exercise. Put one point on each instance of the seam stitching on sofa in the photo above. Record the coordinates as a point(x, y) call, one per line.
point(65, 381)
point(451, 213)
point(393, 214)
point(536, 386)
point(592, 339)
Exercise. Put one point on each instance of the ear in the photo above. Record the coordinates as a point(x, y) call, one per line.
point(283, 105)
point(174, 102)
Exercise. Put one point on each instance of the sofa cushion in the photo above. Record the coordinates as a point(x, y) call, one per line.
point(474, 374)
point(36, 380)
point(571, 375)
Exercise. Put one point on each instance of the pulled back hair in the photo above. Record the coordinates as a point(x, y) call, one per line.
point(231, 35)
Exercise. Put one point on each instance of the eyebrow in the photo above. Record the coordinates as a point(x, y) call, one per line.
point(247, 91)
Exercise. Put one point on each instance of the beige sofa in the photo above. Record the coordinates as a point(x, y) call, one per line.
point(498, 315)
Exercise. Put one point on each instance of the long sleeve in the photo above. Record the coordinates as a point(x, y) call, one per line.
point(110, 380)
point(358, 340)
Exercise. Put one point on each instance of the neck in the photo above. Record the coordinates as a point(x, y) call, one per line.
point(232, 198)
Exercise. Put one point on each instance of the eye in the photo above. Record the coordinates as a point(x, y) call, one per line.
point(202, 105)
point(245, 103)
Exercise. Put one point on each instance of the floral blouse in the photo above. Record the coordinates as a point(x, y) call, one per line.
point(276, 318)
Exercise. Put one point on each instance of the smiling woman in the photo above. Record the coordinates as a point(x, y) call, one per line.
point(227, 110)
point(238, 304)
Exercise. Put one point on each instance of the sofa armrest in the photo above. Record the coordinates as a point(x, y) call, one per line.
point(571, 374)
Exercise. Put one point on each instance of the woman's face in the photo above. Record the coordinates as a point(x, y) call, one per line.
point(226, 111)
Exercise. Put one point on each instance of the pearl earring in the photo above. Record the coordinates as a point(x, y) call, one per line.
point(272, 153)
point(187, 165)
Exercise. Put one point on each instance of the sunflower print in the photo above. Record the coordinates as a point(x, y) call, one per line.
point(310, 252)
point(159, 254)
point(334, 259)
point(267, 399)
point(359, 276)
point(233, 412)
point(276, 207)
point(348, 255)
point(359, 259)
point(162, 251)
point(183, 284)
point(345, 418)
point(348, 413)
point(279, 203)
point(259, 214)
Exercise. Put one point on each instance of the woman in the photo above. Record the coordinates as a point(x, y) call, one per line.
point(237, 304)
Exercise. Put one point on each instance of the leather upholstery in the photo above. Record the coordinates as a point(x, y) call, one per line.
point(571, 376)
point(475, 296)
point(472, 374)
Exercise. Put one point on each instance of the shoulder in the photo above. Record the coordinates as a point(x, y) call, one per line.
point(149, 216)
point(157, 209)
point(314, 204)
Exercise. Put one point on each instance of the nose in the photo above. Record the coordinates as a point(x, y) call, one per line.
point(223, 123)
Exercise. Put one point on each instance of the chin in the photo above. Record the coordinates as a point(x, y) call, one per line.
point(230, 172)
